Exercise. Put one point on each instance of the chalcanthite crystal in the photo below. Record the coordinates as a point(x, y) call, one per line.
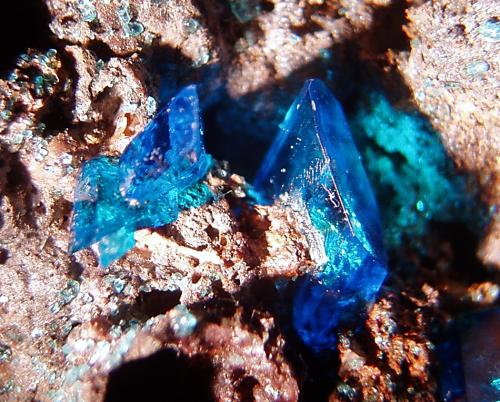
point(315, 168)
point(159, 173)
point(169, 153)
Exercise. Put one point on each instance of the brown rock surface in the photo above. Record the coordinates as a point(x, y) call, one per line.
point(69, 328)
point(453, 71)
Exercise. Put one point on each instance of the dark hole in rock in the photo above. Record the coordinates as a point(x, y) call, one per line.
point(387, 31)
point(245, 389)
point(306, 29)
point(56, 115)
point(463, 244)
point(243, 152)
point(97, 26)
point(157, 302)
point(25, 24)
point(164, 376)
point(458, 30)
point(21, 191)
point(171, 66)
point(196, 277)
point(62, 212)
point(220, 20)
point(101, 50)
point(212, 232)
point(4, 255)
point(254, 224)
point(221, 305)
point(267, 6)
point(17, 175)
point(75, 269)
point(260, 295)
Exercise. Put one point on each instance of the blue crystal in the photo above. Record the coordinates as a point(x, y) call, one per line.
point(169, 153)
point(314, 167)
point(159, 174)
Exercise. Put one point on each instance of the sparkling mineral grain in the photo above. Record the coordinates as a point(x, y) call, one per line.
point(314, 168)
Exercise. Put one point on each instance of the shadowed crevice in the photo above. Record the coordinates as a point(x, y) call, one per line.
point(164, 376)
point(25, 24)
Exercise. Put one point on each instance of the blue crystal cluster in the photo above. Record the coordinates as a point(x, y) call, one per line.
point(314, 167)
point(159, 174)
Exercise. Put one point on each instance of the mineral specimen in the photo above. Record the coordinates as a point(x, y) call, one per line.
point(455, 85)
point(158, 174)
point(70, 331)
point(313, 166)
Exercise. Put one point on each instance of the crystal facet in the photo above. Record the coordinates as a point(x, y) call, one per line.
point(315, 168)
point(159, 173)
point(169, 153)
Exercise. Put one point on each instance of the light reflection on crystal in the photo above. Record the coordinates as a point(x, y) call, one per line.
point(313, 162)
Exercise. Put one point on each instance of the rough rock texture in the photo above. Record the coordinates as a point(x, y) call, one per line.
point(68, 328)
point(111, 99)
point(127, 27)
point(453, 72)
point(203, 256)
point(394, 351)
point(241, 362)
point(27, 97)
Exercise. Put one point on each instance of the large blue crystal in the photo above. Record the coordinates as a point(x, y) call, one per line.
point(314, 167)
point(159, 173)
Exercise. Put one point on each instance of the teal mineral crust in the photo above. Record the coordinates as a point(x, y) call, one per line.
point(416, 182)
point(314, 167)
point(159, 173)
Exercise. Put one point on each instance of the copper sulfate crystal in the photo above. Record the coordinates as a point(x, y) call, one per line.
point(159, 173)
point(169, 153)
point(313, 166)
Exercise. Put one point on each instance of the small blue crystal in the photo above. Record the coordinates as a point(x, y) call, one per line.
point(315, 168)
point(159, 174)
point(169, 153)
